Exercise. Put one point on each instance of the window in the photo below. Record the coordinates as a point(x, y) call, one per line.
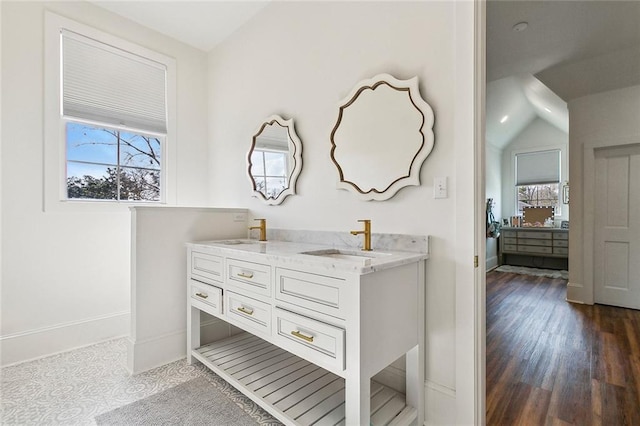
point(111, 164)
point(110, 109)
point(116, 91)
point(538, 180)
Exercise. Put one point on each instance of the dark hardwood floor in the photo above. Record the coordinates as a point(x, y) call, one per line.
point(550, 362)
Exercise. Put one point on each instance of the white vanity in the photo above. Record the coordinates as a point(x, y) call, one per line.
point(318, 323)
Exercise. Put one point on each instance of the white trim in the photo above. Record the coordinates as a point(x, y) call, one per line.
point(491, 263)
point(445, 390)
point(161, 350)
point(46, 341)
point(54, 159)
point(588, 220)
point(440, 403)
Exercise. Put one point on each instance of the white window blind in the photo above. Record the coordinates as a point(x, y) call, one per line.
point(108, 85)
point(538, 167)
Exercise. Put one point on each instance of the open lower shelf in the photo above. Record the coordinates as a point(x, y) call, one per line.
point(292, 389)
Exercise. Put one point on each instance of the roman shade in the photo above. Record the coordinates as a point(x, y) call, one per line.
point(111, 86)
point(538, 167)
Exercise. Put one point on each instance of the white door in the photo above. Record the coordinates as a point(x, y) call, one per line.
point(617, 226)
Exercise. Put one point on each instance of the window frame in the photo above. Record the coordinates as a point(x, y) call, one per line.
point(55, 159)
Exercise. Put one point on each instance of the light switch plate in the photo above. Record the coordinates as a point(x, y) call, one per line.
point(440, 187)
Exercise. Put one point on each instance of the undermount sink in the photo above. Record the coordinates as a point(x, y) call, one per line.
point(358, 256)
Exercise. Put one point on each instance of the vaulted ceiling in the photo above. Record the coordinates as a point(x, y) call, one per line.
point(569, 49)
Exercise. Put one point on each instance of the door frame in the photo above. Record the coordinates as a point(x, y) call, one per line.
point(470, 247)
point(588, 223)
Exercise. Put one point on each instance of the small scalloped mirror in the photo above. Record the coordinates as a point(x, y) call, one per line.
point(383, 135)
point(274, 160)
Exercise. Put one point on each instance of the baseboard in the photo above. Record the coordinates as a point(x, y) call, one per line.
point(143, 355)
point(492, 263)
point(575, 293)
point(17, 348)
point(440, 404)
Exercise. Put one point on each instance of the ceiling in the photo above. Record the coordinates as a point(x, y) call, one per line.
point(201, 24)
point(573, 47)
point(569, 49)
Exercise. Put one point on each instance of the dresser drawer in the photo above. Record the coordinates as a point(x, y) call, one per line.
point(510, 240)
point(560, 243)
point(249, 314)
point(207, 294)
point(318, 342)
point(534, 242)
point(535, 249)
point(510, 247)
point(253, 277)
point(540, 235)
point(316, 292)
point(560, 235)
point(206, 267)
point(560, 250)
point(511, 234)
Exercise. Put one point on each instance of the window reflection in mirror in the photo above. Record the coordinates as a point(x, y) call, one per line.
point(275, 160)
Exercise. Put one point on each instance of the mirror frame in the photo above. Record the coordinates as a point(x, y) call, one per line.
point(296, 155)
point(412, 177)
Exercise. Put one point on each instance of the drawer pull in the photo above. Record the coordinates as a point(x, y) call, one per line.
point(203, 295)
point(245, 310)
point(302, 336)
point(245, 275)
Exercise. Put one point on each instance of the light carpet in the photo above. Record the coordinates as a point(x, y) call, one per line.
point(549, 273)
point(196, 402)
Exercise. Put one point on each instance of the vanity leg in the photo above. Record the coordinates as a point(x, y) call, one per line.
point(193, 332)
point(415, 381)
point(357, 401)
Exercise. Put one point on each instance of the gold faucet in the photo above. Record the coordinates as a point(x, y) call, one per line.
point(262, 228)
point(367, 234)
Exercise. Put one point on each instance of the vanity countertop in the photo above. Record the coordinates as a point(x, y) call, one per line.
point(296, 254)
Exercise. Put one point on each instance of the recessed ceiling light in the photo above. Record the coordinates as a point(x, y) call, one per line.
point(520, 26)
point(547, 109)
point(503, 119)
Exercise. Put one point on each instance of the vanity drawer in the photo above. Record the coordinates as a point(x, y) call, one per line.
point(560, 235)
point(206, 267)
point(541, 235)
point(560, 250)
point(511, 234)
point(510, 247)
point(535, 249)
point(248, 313)
point(206, 297)
point(249, 276)
point(534, 242)
point(510, 240)
point(316, 341)
point(560, 243)
point(316, 292)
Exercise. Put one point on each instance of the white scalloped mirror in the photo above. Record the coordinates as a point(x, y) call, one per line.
point(274, 160)
point(383, 134)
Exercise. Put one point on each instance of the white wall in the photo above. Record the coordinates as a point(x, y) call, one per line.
point(316, 53)
point(65, 275)
point(537, 136)
point(158, 293)
point(604, 119)
point(493, 189)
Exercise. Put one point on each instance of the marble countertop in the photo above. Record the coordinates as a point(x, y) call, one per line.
point(318, 256)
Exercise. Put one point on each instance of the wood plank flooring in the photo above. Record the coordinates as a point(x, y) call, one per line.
point(550, 362)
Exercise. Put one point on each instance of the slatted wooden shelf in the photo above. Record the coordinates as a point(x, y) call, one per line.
point(292, 389)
